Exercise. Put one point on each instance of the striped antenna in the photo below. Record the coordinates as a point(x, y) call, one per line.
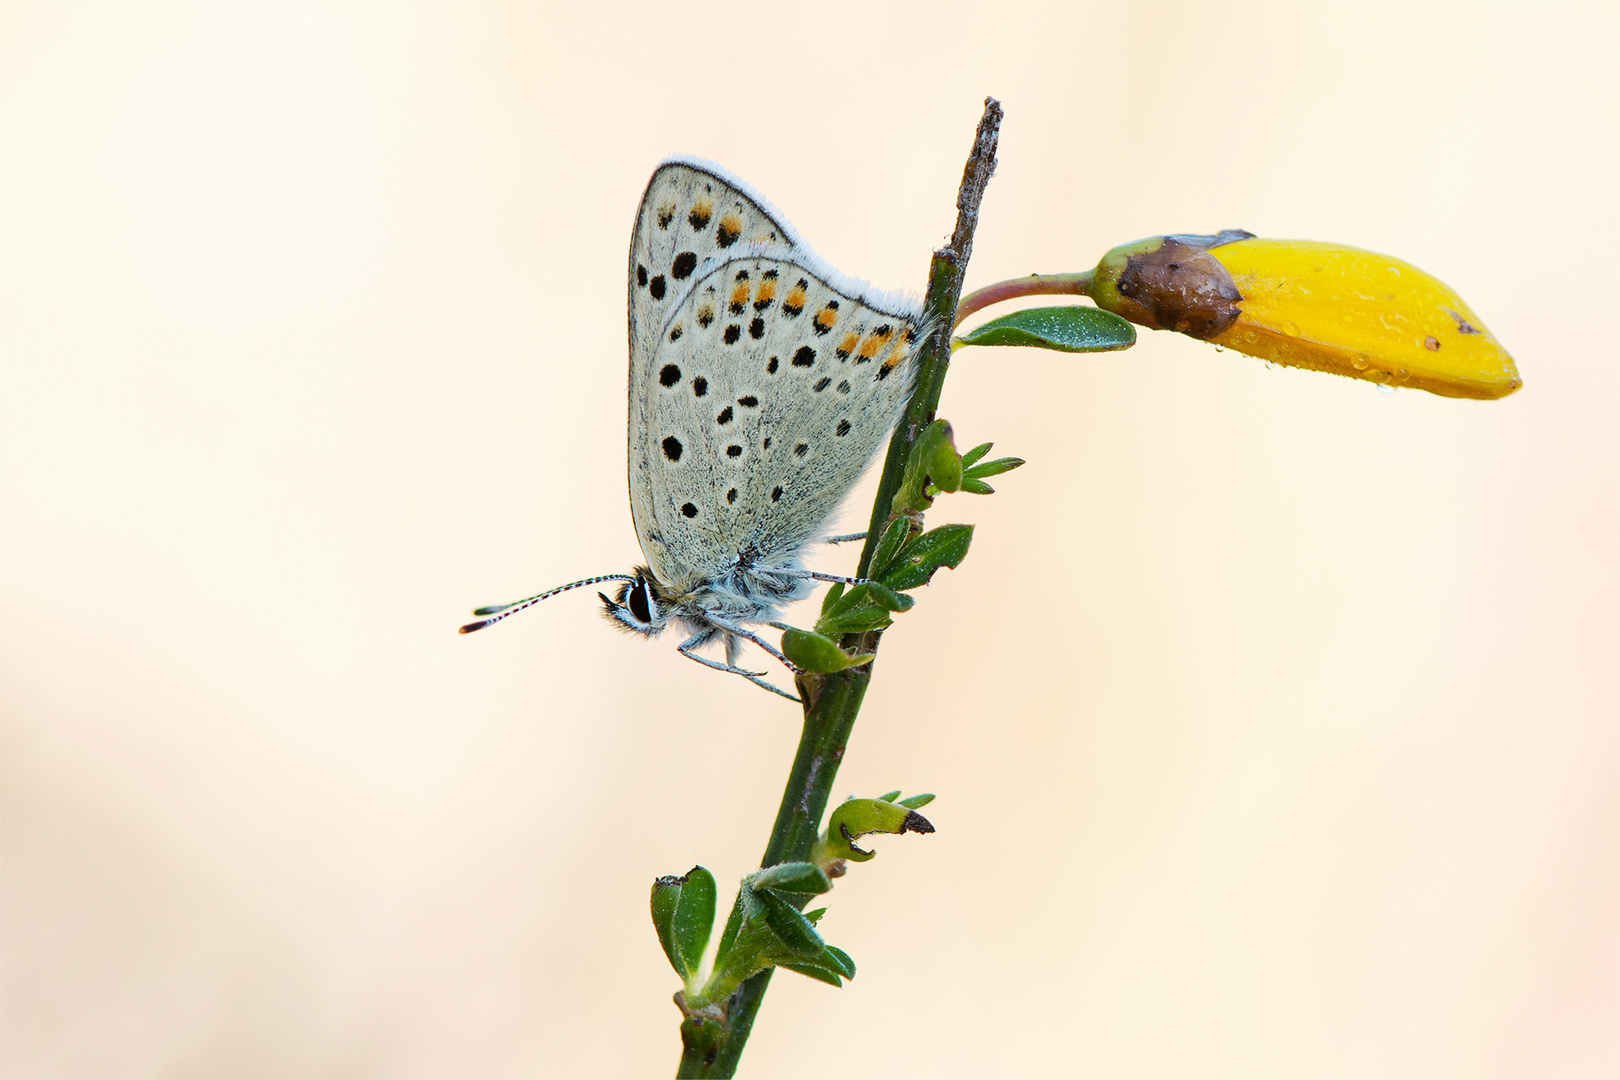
point(498, 612)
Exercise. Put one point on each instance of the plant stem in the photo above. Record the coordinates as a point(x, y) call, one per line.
point(711, 1048)
point(1033, 285)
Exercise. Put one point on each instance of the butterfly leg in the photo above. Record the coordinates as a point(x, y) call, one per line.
point(819, 576)
point(685, 649)
point(845, 538)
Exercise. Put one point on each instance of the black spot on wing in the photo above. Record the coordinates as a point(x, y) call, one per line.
point(698, 218)
point(756, 329)
point(843, 428)
point(700, 386)
point(725, 416)
point(641, 275)
point(804, 357)
point(672, 448)
point(669, 375)
point(733, 332)
point(683, 266)
point(689, 510)
point(748, 401)
point(656, 287)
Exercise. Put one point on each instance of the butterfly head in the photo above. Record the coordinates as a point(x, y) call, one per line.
point(640, 606)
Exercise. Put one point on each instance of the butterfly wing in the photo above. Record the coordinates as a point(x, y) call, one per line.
point(770, 385)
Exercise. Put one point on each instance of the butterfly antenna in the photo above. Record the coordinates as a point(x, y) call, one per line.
point(497, 612)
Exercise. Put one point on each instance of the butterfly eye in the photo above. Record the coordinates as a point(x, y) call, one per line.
point(640, 601)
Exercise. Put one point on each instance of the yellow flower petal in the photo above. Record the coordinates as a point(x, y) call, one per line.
point(1310, 305)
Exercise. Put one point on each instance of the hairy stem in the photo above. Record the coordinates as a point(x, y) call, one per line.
point(711, 1047)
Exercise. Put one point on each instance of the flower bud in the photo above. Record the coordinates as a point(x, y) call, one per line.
point(1305, 304)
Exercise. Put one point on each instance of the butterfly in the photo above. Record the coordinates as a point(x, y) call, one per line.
point(762, 382)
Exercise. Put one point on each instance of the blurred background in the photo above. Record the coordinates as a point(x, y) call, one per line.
point(1275, 721)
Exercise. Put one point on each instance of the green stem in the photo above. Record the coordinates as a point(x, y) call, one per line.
point(709, 1047)
point(1033, 285)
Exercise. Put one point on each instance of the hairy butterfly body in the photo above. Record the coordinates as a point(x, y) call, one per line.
point(762, 382)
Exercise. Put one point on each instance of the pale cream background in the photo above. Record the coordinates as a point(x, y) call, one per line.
point(1274, 720)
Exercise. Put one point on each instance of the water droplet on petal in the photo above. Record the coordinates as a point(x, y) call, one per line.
point(1382, 389)
point(1290, 329)
point(1360, 361)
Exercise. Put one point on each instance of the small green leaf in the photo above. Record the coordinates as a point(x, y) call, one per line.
point(889, 544)
point(692, 921)
point(834, 594)
point(666, 894)
point(1072, 328)
point(855, 612)
point(976, 453)
point(798, 877)
point(918, 560)
point(789, 926)
point(917, 802)
point(976, 487)
point(994, 468)
point(890, 796)
point(840, 961)
point(815, 916)
point(815, 971)
point(816, 653)
point(888, 599)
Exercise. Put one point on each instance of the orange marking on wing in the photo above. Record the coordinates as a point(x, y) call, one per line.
point(847, 346)
point(896, 353)
point(766, 291)
point(870, 346)
point(795, 297)
point(739, 295)
point(825, 319)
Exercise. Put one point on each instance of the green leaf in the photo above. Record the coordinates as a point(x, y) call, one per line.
point(815, 653)
point(834, 594)
point(841, 961)
point(976, 487)
point(889, 544)
point(918, 560)
point(890, 796)
point(994, 468)
point(798, 877)
point(917, 802)
point(1072, 328)
point(692, 920)
point(815, 916)
point(888, 599)
point(854, 613)
point(815, 971)
point(976, 453)
point(666, 894)
point(789, 926)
